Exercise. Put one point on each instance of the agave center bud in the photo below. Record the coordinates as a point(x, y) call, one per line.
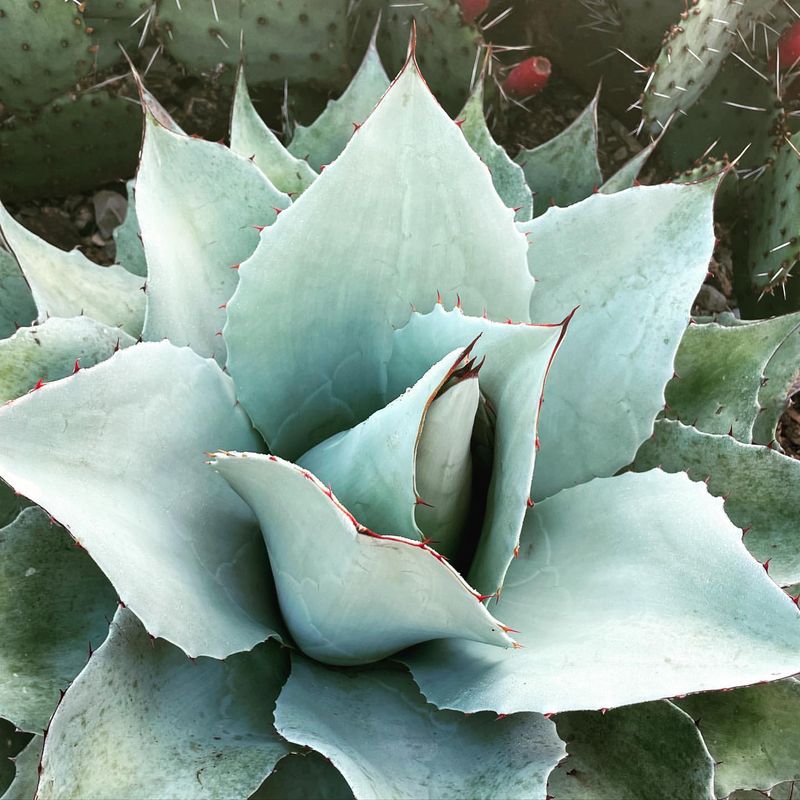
point(444, 465)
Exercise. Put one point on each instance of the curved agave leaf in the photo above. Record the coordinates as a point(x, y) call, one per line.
point(752, 734)
point(142, 720)
point(625, 177)
point(53, 350)
point(388, 742)
point(371, 468)
point(407, 208)
point(115, 453)
point(721, 368)
point(780, 382)
point(198, 206)
point(564, 169)
point(507, 176)
point(651, 749)
point(321, 142)
point(633, 261)
point(69, 285)
point(627, 589)
point(16, 302)
point(252, 138)
point(303, 776)
point(755, 482)
point(348, 595)
point(53, 602)
point(128, 240)
point(517, 359)
point(26, 766)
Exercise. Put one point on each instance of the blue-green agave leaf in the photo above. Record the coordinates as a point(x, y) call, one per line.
point(348, 595)
point(53, 350)
point(54, 602)
point(128, 240)
point(719, 373)
point(634, 262)
point(115, 453)
point(371, 468)
point(304, 776)
point(517, 359)
point(383, 737)
point(68, 284)
point(142, 720)
point(199, 205)
point(16, 301)
point(754, 480)
point(564, 170)
point(252, 138)
point(407, 209)
point(26, 771)
point(626, 589)
point(649, 749)
point(625, 177)
point(751, 732)
point(323, 140)
point(507, 176)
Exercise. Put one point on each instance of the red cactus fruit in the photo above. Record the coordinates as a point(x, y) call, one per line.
point(472, 9)
point(789, 45)
point(528, 78)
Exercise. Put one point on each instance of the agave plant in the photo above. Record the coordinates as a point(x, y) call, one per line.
point(325, 491)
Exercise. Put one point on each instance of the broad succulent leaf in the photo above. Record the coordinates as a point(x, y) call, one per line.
point(507, 176)
point(53, 350)
point(635, 294)
point(564, 169)
point(323, 140)
point(343, 605)
point(719, 373)
point(394, 252)
point(625, 177)
point(614, 605)
point(649, 749)
point(429, 753)
point(752, 734)
point(128, 239)
point(26, 771)
point(119, 448)
point(68, 284)
point(517, 359)
point(304, 776)
point(142, 720)
point(754, 481)
point(252, 138)
point(194, 235)
point(54, 601)
point(16, 302)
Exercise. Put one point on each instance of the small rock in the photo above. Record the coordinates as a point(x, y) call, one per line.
point(711, 299)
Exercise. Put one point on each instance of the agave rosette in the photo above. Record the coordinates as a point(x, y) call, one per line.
point(332, 449)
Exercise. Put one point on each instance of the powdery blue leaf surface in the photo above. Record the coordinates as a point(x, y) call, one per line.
point(407, 209)
point(512, 378)
point(371, 467)
point(387, 741)
point(751, 732)
point(54, 604)
point(507, 176)
point(26, 772)
point(130, 251)
point(626, 589)
point(649, 750)
point(564, 169)
point(754, 480)
point(142, 720)
point(16, 301)
point(68, 284)
point(252, 138)
point(198, 205)
point(324, 139)
point(633, 261)
point(50, 351)
point(350, 596)
point(116, 454)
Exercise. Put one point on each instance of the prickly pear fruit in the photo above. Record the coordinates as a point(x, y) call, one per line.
point(472, 9)
point(789, 46)
point(528, 78)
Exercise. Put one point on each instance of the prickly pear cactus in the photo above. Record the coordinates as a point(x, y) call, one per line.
point(353, 551)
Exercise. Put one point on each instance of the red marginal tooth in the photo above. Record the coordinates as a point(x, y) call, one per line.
point(460, 122)
point(529, 503)
point(506, 629)
point(766, 565)
point(39, 385)
point(501, 716)
point(357, 126)
point(516, 552)
point(77, 367)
